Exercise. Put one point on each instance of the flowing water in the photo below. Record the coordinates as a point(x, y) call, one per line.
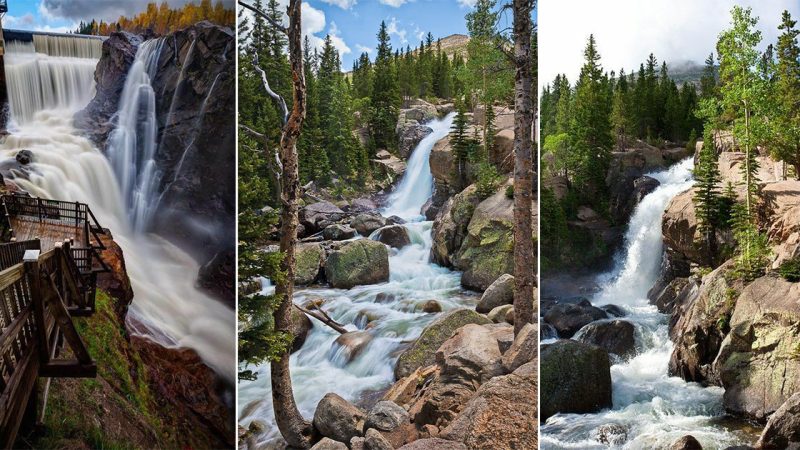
point(45, 92)
point(653, 408)
point(320, 366)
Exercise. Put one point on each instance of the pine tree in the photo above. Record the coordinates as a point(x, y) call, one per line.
point(786, 145)
point(706, 198)
point(385, 96)
point(708, 81)
point(459, 141)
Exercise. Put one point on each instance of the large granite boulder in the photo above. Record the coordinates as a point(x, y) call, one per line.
point(615, 336)
point(450, 227)
point(366, 224)
point(409, 135)
point(422, 352)
point(759, 360)
point(394, 236)
point(499, 293)
point(338, 419)
point(575, 378)
point(357, 263)
point(783, 427)
point(502, 414)
point(568, 318)
point(488, 249)
point(471, 356)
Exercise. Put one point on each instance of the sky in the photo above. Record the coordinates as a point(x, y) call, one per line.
point(627, 31)
point(64, 15)
point(353, 24)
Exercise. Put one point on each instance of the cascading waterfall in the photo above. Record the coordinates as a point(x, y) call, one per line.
point(653, 408)
point(71, 46)
point(416, 186)
point(37, 81)
point(167, 306)
point(321, 366)
point(133, 143)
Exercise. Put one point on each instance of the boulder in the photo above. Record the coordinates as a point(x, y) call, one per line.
point(443, 163)
point(568, 318)
point(524, 349)
point(783, 427)
point(499, 314)
point(611, 434)
point(313, 214)
point(675, 294)
point(362, 205)
point(374, 440)
point(422, 352)
point(500, 292)
point(433, 444)
point(615, 336)
point(409, 136)
point(338, 419)
point(308, 259)
point(391, 167)
point(488, 251)
point(394, 236)
point(575, 378)
point(24, 157)
point(338, 232)
point(450, 227)
point(502, 152)
point(627, 194)
point(759, 360)
point(471, 356)
point(501, 415)
point(701, 326)
point(328, 444)
point(781, 209)
point(681, 236)
point(504, 333)
point(614, 311)
point(349, 345)
point(366, 224)
point(357, 263)
point(686, 443)
point(386, 416)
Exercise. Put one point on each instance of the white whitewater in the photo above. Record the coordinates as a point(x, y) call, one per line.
point(416, 186)
point(320, 366)
point(133, 143)
point(167, 306)
point(654, 408)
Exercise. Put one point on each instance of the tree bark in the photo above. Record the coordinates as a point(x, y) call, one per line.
point(523, 167)
point(293, 427)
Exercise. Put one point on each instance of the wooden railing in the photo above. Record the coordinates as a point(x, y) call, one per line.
point(38, 297)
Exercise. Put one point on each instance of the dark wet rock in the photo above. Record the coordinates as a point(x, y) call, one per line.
point(394, 236)
point(612, 434)
point(24, 157)
point(410, 136)
point(616, 336)
point(352, 343)
point(547, 331)
point(675, 294)
point(338, 232)
point(301, 326)
point(218, 275)
point(395, 220)
point(575, 378)
point(627, 194)
point(568, 318)
point(118, 54)
point(338, 419)
point(686, 443)
point(365, 224)
point(384, 297)
point(614, 311)
point(430, 306)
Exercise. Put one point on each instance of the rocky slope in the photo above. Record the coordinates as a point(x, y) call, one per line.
point(196, 153)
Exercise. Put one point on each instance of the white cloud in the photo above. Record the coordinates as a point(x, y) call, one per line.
point(467, 3)
point(394, 3)
point(344, 4)
point(23, 21)
point(420, 34)
point(363, 48)
point(393, 29)
point(337, 41)
point(627, 31)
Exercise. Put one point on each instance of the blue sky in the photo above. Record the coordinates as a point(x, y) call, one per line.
point(353, 24)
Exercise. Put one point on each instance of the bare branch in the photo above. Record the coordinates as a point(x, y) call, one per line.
point(275, 96)
point(264, 16)
point(323, 317)
point(252, 133)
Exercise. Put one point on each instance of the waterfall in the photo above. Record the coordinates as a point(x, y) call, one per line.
point(416, 186)
point(167, 306)
point(70, 46)
point(321, 366)
point(133, 143)
point(38, 81)
point(653, 408)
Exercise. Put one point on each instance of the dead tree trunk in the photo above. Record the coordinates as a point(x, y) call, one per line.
point(524, 263)
point(293, 427)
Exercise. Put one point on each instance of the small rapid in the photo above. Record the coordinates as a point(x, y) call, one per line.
point(651, 408)
point(390, 311)
point(45, 92)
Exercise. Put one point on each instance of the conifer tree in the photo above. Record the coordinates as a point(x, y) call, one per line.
point(707, 196)
point(385, 98)
point(786, 145)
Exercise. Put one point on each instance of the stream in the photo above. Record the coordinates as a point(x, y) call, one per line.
point(320, 366)
point(653, 408)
